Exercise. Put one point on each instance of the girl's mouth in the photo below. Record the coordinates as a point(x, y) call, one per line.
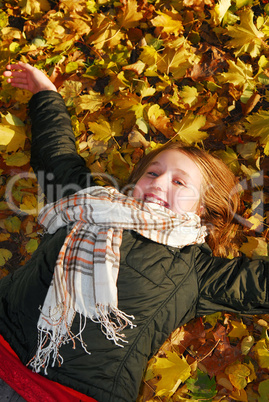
point(156, 200)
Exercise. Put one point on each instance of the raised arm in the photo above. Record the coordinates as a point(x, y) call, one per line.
point(59, 169)
point(238, 285)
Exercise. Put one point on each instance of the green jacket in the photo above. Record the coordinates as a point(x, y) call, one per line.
point(161, 286)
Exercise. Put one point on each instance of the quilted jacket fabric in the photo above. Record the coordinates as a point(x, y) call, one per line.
point(161, 286)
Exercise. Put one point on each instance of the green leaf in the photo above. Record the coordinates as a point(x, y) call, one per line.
point(12, 224)
point(71, 67)
point(5, 255)
point(202, 387)
point(264, 391)
point(31, 246)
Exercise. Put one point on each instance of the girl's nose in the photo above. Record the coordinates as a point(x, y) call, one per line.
point(161, 182)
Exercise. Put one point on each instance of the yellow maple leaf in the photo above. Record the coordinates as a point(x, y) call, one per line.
point(92, 101)
point(175, 61)
point(104, 32)
point(239, 330)
point(103, 130)
point(70, 90)
point(149, 55)
point(239, 74)
point(257, 125)
point(170, 21)
point(189, 95)
point(188, 129)
point(12, 137)
point(173, 371)
point(246, 37)
point(129, 16)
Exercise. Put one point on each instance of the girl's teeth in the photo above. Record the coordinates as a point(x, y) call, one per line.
point(155, 201)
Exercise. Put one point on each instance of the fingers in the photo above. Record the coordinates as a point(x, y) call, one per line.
point(11, 68)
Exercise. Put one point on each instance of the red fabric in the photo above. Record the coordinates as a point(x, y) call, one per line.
point(32, 386)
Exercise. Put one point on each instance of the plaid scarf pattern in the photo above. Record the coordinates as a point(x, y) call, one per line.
point(86, 271)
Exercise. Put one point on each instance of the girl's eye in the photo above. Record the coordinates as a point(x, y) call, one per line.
point(179, 182)
point(152, 174)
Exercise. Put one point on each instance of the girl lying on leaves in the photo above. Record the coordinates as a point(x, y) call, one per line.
point(114, 275)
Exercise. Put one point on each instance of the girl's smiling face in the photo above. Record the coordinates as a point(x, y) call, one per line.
point(173, 180)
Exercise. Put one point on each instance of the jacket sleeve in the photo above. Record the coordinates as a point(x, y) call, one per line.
point(60, 170)
point(238, 285)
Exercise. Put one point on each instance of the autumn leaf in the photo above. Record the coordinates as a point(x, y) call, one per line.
point(104, 130)
point(175, 60)
point(188, 129)
point(12, 137)
point(12, 224)
point(31, 246)
point(239, 330)
point(262, 351)
point(230, 158)
point(169, 21)
point(173, 371)
point(239, 74)
point(17, 159)
point(220, 10)
point(159, 120)
point(129, 16)
point(238, 374)
point(104, 33)
point(264, 390)
point(92, 101)
point(255, 247)
point(257, 126)
point(246, 344)
point(5, 255)
point(202, 387)
point(246, 37)
point(32, 7)
point(189, 95)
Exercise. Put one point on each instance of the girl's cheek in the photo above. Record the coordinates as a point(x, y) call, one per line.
point(138, 190)
point(186, 200)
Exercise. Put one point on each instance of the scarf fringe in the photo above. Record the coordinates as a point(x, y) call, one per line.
point(50, 341)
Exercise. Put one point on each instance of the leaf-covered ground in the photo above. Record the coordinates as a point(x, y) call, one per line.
point(136, 73)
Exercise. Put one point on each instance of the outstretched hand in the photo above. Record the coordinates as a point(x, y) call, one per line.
point(24, 76)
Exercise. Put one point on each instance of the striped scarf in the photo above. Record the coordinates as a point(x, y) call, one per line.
point(86, 271)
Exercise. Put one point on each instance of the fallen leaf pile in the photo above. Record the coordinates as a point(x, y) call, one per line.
point(134, 74)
